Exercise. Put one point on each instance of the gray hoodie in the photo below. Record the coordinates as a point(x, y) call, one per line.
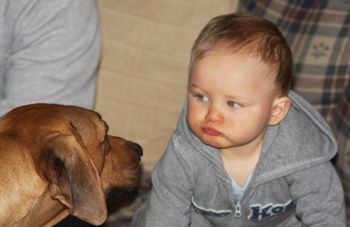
point(294, 183)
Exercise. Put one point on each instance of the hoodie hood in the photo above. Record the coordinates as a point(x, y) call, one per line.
point(301, 140)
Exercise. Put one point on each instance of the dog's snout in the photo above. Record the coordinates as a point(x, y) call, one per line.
point(136, 147)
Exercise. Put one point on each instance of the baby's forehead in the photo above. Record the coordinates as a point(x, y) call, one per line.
point(235, 63)
point(243, 54)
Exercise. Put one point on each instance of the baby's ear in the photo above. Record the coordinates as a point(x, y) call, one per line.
point(280, 108)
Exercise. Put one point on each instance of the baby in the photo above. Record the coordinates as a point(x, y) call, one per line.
point(247, 151)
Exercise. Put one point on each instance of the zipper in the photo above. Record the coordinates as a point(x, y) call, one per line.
point(238, 206)
point(238, 210)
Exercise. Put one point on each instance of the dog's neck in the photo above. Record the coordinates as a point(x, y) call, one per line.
point(52, 210)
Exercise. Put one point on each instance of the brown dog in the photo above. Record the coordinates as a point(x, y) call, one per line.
point(57, 160)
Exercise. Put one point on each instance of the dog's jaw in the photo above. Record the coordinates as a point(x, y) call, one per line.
point(122, 165)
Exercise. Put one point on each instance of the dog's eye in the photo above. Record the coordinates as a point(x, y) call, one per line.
point(58, 164)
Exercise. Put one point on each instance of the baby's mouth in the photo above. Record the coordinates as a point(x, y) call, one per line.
point(211, 131)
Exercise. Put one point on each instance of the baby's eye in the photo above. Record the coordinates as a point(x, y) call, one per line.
point(202, 98)
point(233, 104)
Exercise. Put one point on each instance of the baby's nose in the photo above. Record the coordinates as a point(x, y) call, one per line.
point(213, 115)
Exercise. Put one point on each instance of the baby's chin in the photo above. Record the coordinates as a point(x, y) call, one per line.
point(212, 143)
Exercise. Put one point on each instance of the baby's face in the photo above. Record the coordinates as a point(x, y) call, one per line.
point(230, 99)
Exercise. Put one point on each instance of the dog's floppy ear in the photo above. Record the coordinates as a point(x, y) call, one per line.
point(73, 178)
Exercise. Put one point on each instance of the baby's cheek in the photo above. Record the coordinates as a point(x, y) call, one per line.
point(192, 122)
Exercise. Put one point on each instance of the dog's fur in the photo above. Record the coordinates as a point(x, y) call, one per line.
point(57, 160)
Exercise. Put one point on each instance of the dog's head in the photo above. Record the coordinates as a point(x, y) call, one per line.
point(72, 152)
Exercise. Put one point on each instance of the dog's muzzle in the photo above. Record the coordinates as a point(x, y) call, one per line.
point(135, 147)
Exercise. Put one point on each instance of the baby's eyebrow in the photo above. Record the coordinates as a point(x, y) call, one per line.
point(193, 85)
point(238, 98)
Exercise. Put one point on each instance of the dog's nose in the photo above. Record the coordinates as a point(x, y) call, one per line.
point(137, 148)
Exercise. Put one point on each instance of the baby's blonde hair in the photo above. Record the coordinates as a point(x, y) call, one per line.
point(249, 34)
